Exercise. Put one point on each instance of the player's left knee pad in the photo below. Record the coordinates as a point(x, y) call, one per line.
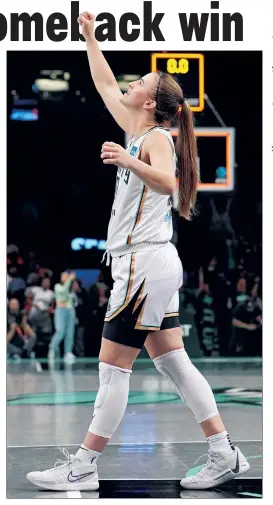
point(111, 400)
point(189, 382)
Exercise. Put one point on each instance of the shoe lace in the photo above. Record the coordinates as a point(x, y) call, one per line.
point(69, 459)
point(210, 460)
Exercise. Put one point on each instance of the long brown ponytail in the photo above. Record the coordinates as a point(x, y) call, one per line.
point(187, 169)
point(168, 97)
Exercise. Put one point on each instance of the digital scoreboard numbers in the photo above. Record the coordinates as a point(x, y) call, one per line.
point(188, 68)
point(216, 158)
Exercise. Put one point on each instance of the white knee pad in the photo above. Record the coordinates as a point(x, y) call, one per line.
point(191, 386)
point(111, 400)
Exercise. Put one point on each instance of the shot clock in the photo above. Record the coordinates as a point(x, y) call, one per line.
point(188, 68)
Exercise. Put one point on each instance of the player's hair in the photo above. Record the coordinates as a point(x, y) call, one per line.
point(169, 97)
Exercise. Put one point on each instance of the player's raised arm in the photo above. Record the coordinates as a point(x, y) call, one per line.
point(103, 76)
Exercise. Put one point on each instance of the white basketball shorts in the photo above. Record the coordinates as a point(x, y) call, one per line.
point(145, 295)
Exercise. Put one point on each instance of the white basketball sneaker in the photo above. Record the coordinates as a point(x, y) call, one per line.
point(220, 467)
point(69, 358)
point(74, 474)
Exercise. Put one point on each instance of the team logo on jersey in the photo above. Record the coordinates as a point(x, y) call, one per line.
point(167, 216)
point(133, 151)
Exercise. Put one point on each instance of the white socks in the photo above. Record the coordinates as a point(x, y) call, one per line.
point(189, 382)
point(221, 442)
point(87, 455)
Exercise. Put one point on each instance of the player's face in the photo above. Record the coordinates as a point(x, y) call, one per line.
point(140, 93)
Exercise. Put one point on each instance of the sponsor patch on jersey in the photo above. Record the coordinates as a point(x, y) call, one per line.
point(133, 150)
point(167, 216)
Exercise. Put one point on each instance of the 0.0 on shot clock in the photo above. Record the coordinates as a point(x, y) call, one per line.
point(188, 68)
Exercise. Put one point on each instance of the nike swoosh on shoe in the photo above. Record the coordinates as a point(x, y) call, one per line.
point(75, 478)
point(237, 466)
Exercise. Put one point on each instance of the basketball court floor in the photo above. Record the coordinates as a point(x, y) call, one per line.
point(157, 443)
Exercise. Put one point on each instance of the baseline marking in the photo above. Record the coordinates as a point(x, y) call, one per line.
point(73, 494)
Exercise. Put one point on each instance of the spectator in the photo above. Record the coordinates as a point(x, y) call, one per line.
point(12, 249)
point(33, 278)
point(103, 291)
point(38, 273)
point(98, 297)
point(81, 316)
point(205, 320)
point(239, 296)
point(45, 272)
point(40, 315)
point(187, 293)
point(220, 225)
point(247, 324)
point(230, 254)
point(256, 290)
point(247, 254)
point(14, 257)
point(64, 319)
point(16, 286)
point(21, 337)
point(220, 289)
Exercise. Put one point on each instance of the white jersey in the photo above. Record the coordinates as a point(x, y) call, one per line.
point(139, 215)
point(42, 298)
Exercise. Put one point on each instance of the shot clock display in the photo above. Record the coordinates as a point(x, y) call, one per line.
point(188, 68)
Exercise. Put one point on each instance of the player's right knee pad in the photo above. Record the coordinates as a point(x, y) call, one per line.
point(189, 382)
point(111, 400)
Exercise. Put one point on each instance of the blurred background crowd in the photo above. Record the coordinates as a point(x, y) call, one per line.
point(220, 300)
point(34, 292)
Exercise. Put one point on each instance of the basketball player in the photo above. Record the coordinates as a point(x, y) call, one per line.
point(143, 307)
